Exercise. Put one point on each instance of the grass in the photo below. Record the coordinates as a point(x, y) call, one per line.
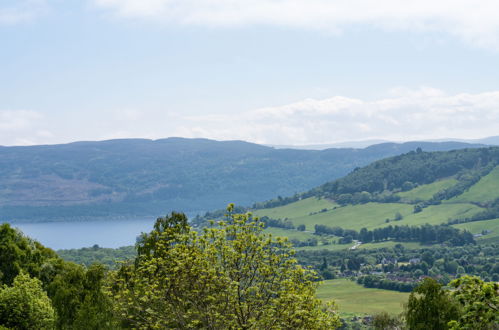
point(370, 215)
point(487, 189)
point(353, 298)
point(407, 245)
point(297, 209)
point(437, 214)
point(426, 191)
point(290, 233)
point(477, 227)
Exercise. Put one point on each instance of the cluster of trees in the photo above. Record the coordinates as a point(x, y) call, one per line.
point(231, 275)
point(42, 291)
point(409, 265)
point(381, 282)
point(472, 304)
point(277, 223)
point(106, 256)
point(426, 234)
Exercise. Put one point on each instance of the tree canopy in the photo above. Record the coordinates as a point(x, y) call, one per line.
point(231, 275)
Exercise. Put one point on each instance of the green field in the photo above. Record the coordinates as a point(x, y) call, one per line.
point(297, 209)
point(290, 233)
point(353, 298)
point(390, 244)
point(370, 215)
point(426, 191)
point(477, 227)
point(487, 189)
point(437, 214)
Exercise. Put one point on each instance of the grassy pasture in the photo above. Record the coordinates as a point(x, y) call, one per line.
point(487, 189)
point(426, 191)
point(297, 209)
point(437, 214)
point(353, 298)
point(476, 227)
point(370, 215)
point(290, 233)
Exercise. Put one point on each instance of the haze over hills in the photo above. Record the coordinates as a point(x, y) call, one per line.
point(138, 177)
point(491, 140)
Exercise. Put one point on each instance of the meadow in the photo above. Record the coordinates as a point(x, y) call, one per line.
point(353, 298)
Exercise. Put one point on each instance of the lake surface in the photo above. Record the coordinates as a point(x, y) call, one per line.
point(72, 235)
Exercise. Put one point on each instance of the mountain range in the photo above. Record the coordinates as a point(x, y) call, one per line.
point(139, 177)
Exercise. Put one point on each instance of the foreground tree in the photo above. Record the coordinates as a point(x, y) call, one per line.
point(430, 307)
point(479, 301)
point(25, 305)
point(231, 276)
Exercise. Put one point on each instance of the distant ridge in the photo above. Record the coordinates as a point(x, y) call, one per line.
point(127, 178)
point(493, 140)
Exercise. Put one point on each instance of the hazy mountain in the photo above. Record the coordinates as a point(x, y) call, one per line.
point(138, 177)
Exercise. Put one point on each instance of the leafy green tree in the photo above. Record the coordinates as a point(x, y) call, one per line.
point(25, 305)
point(385, 321)
point(231, 276)
point(430, 307)
point(479, 301)
point(19, 253)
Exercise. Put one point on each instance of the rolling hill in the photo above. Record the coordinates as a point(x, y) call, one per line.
point(458, 187)
point(136, 177)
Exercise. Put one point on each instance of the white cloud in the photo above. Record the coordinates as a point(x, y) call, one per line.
point(410, 115)
point(20, 11)
point(474, 21)
point(22, 127)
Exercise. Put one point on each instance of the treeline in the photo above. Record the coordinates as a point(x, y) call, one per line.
point(426, 234)
point(277, 223)
point(90, 255)
point(381, 282)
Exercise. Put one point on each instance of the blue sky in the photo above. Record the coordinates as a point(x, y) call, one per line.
point(267, 71)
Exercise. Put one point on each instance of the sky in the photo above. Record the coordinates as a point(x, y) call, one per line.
point(285, 72)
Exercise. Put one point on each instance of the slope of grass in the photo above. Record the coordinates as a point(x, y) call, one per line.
point(298, 209)
point(370, 215)
point(487, 189)
point(290, 233)
point(390, 244)
point(477, 227)
point(426, 191)
point(438, 214)
point(353, 298)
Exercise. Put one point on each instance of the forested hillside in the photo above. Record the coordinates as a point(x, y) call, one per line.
point(127, 178)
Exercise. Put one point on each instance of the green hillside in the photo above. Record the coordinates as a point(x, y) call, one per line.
point(426, 191)
point(490, 228)
point(485, 190)
point(453, 186)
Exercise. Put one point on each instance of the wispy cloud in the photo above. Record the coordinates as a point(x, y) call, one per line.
point(22, 127)
point(472, 21)
point(425, 113)
point(21, 11)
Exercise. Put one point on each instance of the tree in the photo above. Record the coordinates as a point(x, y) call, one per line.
point(385, 321)
point(25, 305)
point(430, 307)
point(230, 276)
point(479, 301)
